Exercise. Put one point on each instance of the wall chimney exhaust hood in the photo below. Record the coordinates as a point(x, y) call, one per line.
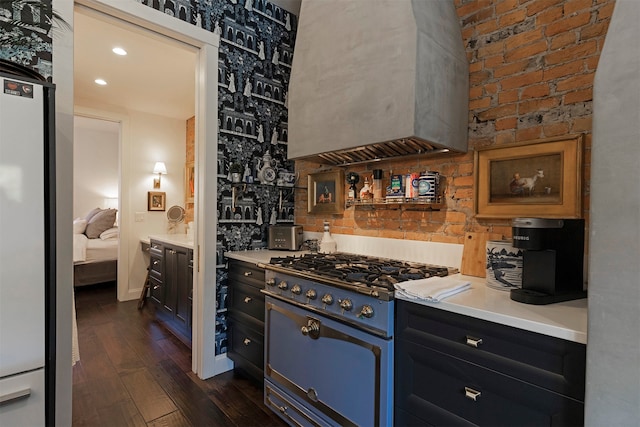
point(377, 79)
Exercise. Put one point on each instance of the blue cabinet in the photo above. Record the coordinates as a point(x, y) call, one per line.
point(452, 369)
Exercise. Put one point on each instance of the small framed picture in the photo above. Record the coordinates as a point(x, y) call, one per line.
point(540, 178)
point(156, 200)
point(326, 192)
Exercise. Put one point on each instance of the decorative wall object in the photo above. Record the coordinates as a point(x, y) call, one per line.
point(156, 200)
point(326, 192)
point(534, 178)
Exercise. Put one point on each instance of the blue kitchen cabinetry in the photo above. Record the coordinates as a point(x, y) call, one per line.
point(246, 318)
point(452, 369)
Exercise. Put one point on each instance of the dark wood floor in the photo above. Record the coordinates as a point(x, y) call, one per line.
point(133, 372)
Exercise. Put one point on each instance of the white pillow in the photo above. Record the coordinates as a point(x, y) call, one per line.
point(79, 225)
point(111, 233)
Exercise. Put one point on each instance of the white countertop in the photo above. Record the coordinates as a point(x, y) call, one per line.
point(565, 320)
point(184, 240)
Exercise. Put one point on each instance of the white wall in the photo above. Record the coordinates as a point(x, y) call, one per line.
point(613, 349)
point(154, 139)
point(95, 163)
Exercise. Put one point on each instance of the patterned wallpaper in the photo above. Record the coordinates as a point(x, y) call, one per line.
point(255, 55)
point(25, 34)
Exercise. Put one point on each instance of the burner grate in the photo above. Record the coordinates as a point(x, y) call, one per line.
point(360, 270)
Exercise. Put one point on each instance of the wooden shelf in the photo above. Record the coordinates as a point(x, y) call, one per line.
point(399, 203)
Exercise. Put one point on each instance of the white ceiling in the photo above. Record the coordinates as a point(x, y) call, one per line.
point(157, 76)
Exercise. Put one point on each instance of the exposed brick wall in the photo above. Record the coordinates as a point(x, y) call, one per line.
point(531, 70)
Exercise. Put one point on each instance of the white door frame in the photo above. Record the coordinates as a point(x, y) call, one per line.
point(204, 292)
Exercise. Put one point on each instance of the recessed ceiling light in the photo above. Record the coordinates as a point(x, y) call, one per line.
point(101, 82)
point(119, 51)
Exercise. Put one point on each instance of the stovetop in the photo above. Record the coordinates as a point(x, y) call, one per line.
point(359, 270)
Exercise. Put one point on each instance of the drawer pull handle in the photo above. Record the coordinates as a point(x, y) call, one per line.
point(472, 394)
point(473, 342)
point(16, 395)
point(246, 341)
point(155, 287)
point(247, 300)
point(156, 262)
point(247, 273)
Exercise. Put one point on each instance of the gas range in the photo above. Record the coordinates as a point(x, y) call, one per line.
point(351, 288)
point(329, 321)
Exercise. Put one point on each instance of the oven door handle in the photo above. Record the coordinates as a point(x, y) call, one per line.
point(311, 329)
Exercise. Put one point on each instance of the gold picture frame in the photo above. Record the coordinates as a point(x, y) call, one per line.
point(326, 192)
point(539, 178)
point(156, 200)
point(189, 182)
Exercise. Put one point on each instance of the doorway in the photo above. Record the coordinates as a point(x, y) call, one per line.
point(152, 87)
point(143, 19)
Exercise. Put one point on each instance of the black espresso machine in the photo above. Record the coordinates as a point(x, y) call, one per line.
point(553, 258)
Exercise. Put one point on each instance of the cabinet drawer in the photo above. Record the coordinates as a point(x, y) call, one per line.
point(246, 342)
point(247, 273)
point(443, 390)
point(548, 362)
point(157, 291)
point(247, 300)
point(155, 265)
point(156, 248)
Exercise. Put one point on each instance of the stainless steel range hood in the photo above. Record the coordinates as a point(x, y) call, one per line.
point(376, 79)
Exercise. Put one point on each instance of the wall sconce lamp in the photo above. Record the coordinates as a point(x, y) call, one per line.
point(160, 169)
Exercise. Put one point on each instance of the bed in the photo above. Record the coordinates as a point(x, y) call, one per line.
point(95, 248)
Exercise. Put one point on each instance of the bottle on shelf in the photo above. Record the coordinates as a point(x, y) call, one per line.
point(377, 184)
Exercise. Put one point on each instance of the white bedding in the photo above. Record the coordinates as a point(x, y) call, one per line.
point(92, 250)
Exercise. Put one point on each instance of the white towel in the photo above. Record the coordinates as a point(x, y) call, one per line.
point(433, 289)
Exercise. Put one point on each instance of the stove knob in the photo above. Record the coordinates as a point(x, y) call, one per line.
point(346, 304)
point(283, 285)
point(296, 289)
point(311, 294)
point(327, 299)
point(367, 311)
point(271, 282)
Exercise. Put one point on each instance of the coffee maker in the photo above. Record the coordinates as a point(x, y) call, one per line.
point(552, 265)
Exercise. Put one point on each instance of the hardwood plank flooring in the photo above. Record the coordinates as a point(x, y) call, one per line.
point(133, 372)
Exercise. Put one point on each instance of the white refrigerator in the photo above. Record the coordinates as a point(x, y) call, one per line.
point(27, 252)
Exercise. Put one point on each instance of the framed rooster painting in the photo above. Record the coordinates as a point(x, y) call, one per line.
point(540, 178)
